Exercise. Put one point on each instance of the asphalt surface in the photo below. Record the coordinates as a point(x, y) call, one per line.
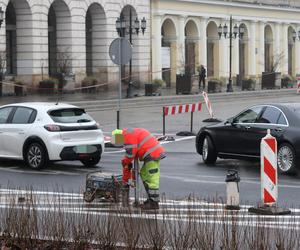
point(182, 172)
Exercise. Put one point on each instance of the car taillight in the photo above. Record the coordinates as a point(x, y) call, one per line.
point(52, 128)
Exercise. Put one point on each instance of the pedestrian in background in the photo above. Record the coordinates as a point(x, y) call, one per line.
point(202, 76)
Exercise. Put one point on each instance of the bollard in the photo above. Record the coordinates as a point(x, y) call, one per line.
point(269, 193)
point(232, 190)
point(298, 84)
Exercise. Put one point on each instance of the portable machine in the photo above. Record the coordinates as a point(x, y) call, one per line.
point(103, 186)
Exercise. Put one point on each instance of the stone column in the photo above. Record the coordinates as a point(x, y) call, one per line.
point(252, 49)
point(235, 56)
point(40, 45)
point(297, 57)
point(277, 52)
point(78, 45)
point(203, 43)
point(156, 47)
point(181, 45)
point(223, 56)
point(285, 48)
point(261, 49)
point(174, 57)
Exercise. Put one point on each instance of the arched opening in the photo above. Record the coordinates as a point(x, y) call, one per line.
point(59, 38)
point(169, 48)
point(243, 53)
point(18, 19)
point(96, 52)
point(212, 50)
point(291, 52)
point(269, 57)
point(191, 55)
point(129, 71)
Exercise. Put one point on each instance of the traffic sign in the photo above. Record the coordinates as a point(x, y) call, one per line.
point(120, 51)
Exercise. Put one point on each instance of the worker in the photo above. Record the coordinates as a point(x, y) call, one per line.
point(139, 143)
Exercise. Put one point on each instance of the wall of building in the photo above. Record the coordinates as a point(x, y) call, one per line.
point(266, 26)
point(32, 36)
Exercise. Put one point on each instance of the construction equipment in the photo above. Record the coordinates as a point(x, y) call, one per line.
point(104, 186)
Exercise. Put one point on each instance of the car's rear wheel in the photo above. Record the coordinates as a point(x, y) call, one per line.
point(36, 156)
point(90, 162)
point(286, 159)
point(209, 154)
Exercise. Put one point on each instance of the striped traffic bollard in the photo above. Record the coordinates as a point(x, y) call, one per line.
point(298, 84)
point(208, 104)
point(269, 188)
point(209, 108)
point(268, 158)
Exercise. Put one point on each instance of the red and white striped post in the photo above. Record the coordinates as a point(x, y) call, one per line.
point(298, 85)
point(268, 159)
point(208, 104)
point(269, 188)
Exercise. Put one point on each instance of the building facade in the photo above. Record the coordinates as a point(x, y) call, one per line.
point(185, 35)
point(40, 37)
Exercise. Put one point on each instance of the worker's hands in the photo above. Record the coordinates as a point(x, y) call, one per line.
point(126, 164)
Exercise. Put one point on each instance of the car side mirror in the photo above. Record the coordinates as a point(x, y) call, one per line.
point(230, 121)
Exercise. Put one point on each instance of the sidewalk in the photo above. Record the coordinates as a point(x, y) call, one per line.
point(137, 95)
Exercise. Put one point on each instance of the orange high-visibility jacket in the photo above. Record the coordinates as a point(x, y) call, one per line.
point(138, 142)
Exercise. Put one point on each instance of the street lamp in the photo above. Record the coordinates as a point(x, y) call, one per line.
point(294, 34)
point(236, 32)
point(133, 27)
point(121, 29)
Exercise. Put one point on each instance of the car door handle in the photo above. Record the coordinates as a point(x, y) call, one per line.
point(21, 132)
point(278, 129)
point(247, 127)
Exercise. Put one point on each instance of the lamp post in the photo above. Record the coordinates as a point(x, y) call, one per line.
point(133, 27)
point(121, 29)
point(237, 32)
point(2, 59)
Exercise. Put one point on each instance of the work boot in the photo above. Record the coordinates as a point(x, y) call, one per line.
point(150, 205)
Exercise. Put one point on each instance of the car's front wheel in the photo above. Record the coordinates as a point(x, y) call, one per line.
point(36, 156)
point(90, 162)
point(286, 159)
point(209, 154)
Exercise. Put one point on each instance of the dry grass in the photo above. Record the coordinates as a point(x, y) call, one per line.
point(29, 223)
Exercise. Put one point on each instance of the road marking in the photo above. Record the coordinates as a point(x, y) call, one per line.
point(172, 210)
point(243, 181)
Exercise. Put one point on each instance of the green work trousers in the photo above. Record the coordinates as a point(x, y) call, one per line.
point(150, 174)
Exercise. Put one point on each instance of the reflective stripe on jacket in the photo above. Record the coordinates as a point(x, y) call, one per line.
point(140, 143)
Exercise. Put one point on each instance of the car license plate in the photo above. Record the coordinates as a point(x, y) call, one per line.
point(81, 149)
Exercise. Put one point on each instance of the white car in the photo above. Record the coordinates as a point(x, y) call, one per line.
point(39, 132)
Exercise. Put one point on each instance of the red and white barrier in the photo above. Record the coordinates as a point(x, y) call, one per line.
point(208, 104)
point(180, 109)
point(185, 108)
point(298, 84)
point(268, 158)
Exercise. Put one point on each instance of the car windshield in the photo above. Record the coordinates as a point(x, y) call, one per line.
point(69, 115)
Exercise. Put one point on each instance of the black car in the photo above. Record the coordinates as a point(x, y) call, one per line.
point(239, 137)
